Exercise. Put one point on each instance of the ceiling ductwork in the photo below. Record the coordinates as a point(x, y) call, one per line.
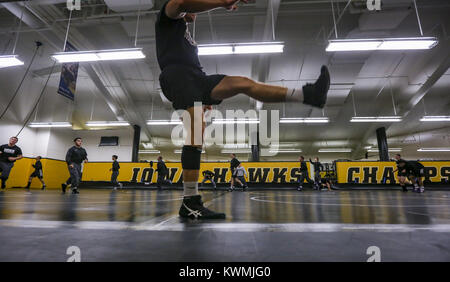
point(129, 5)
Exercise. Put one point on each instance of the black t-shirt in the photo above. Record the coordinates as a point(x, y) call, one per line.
point(174, 44)
point(303, 166)
point(413, 166)
point(115, 166)
point(37, 166)
point(161, 167)
point(234, 163)
point(8, 151)
point(76, 155)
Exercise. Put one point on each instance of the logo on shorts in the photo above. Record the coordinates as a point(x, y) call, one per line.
point(74, 5)
point(374, 5)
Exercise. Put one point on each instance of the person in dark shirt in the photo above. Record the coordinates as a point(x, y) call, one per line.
point(37, 173)
point(115, 173)
point(184, 83)
point(75, 156)
point(208, 176)
point(303, 174)
point(415, 172)
point(401, 173)
point(163, 172)
point(318, 167)
point(234, 163)
point(9, 154)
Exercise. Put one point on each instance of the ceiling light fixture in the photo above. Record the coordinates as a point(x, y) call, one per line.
point(240, 48)
point(433, 150)
point(305, 120)
point(412, 43)
point(377, 119)
point(49, 124)
point(149, 152)
point(10, 61)
point(236, 121)
point(164, 122)
point(335, 150)
point(375, 150)
point(107, 123)
point(435, 118)
point(99, 55)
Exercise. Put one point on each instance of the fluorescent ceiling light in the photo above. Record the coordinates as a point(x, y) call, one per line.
point(240, 48)
point(305, 120)
point(236, 146)
point(236, 121)
point(149, 152)
point(434, 150)
point(237, 151)
point(435, 118)
point(10, 61)
point(107, 123)
point(49, 124)
point(375, 150)
point(377, 119)
point(413, 43)
point(180, 151)
point(335, 150)
point(285, 151)
point(164, 122)
point(99, 55)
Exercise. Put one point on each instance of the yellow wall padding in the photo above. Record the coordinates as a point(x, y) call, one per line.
point(55, 172)
point(267, 172)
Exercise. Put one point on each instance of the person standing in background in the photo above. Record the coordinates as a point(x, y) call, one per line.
point(234, 163)
point(75, 156)
point(163, 172)
point(115, 173)
point(9, 154)
point(37, 173)
point(303, 174)
point(318, 167)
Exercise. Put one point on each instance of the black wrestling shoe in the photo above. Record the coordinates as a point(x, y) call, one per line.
point(316, 94)
point(404, 189)
point(63, 188)
point(75, 191)
point(192, 207)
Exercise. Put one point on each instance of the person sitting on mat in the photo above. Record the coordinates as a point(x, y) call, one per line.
point(208, 176)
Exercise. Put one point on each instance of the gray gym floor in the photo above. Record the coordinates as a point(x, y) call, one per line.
point(285, 225)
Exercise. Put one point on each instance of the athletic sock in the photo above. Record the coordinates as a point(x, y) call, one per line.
point(190, 188)
point(28, 185)
point(294, 95)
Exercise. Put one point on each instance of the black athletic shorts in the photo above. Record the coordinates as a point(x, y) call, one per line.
point(418, 172)
point(36, 174)
point(184, 85)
